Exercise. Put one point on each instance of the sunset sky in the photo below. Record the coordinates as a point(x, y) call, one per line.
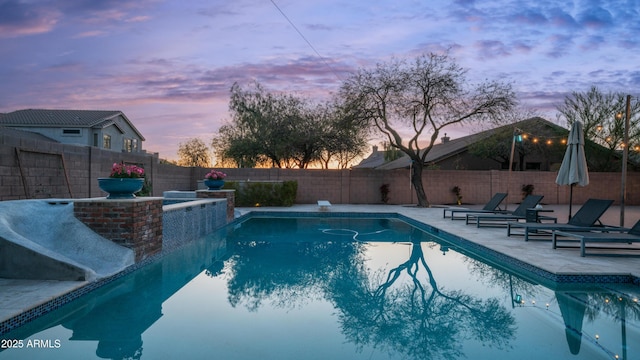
point(169, 65)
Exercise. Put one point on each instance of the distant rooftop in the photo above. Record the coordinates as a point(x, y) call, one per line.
point(60, 118)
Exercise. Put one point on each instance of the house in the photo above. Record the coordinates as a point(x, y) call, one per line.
point(109, 130)
point(541, 149)
point(377, 158)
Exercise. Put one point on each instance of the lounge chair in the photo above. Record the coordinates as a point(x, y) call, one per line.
point(520, 213)
point(584, 219)
point(620, 235)
point(493, 206)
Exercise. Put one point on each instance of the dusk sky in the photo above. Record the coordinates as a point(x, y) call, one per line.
point(169, 65)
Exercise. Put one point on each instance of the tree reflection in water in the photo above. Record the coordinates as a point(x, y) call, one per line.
point(402, 310)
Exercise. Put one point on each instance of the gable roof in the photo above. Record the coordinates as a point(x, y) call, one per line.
point(60, 118)
point(445, 150)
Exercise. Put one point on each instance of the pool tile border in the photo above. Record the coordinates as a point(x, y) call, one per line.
point(56, 303)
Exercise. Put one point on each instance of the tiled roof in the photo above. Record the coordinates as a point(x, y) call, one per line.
point(57, 118)
point(42, 117)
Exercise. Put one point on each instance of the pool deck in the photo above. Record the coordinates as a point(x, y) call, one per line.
point(16, 296)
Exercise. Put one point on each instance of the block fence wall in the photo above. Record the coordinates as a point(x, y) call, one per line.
point(30, 169)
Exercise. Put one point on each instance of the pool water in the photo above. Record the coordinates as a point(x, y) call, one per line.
point(333, 288)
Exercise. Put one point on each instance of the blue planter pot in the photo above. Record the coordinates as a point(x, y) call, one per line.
point(214, 184)
point(120, 188)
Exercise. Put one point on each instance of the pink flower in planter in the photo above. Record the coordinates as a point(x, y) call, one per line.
point(120, 170)
point(215, 175)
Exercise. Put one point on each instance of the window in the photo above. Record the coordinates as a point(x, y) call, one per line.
point(71, 132)
point(135, 145)
point(128, 145)
point(106, 142)
point(95, 140)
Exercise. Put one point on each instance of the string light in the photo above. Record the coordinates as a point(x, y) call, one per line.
point(522, 136)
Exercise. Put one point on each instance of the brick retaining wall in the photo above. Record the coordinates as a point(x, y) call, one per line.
point(135, 224)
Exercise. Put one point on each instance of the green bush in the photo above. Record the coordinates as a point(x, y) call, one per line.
point(263, 193)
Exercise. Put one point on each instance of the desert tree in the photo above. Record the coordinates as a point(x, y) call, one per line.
point(343, 140)
point(263, 126)
point(194, 152)
point(422, 98)
point(232, 148)
point(283, 130)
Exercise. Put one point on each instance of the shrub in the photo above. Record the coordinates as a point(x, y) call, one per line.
point(384, 193)
point(527, 190)
point(263, 193)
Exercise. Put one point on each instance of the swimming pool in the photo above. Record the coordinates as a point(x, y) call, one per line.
point(333, 288)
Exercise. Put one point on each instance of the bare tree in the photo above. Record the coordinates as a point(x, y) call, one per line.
point(194, 152)
point(597, 111)
point(422, 98)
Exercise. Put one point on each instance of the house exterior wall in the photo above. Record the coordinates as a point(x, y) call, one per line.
point(120, 137)
point(56, 133)
point(85, 137)
point(466, 161)
point(36, 169)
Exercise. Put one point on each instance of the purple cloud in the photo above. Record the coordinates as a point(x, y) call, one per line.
point(596, 18)
point(531, 17)
point(19, 19)
point(489, 49)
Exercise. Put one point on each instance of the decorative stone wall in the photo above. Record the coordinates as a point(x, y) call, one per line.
point(186, 221)
point(230, 195)
point(134, 223)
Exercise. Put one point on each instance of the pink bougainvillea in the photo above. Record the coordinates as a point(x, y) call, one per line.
point(120, 170)
point(215, 175)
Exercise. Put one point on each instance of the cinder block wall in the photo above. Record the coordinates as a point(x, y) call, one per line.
point(39, 173)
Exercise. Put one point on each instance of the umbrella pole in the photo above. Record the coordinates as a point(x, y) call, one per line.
point(513, 147)
point(570, 198)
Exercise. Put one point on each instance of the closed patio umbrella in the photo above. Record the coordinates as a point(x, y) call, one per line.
point(573, 170)
point(572, 307)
